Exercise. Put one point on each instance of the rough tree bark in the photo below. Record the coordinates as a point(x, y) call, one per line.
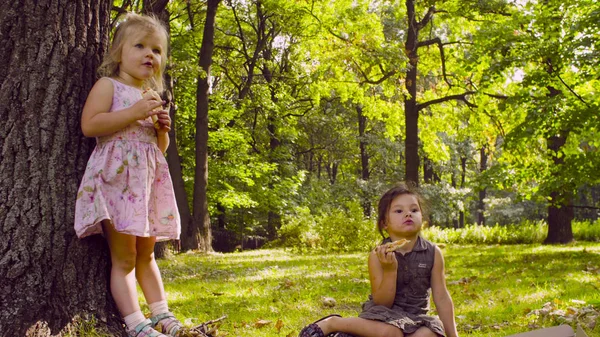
point(50, 51)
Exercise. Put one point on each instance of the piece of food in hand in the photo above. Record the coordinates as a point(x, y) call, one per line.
point(393, 246)
point(152, 94)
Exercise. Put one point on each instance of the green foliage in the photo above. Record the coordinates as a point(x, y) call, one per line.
point(527, 232)
point(339, 230)
point(587, 230)
point(289, 81)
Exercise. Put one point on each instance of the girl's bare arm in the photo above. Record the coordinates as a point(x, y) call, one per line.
point(441, 296)
point(96, 120)
point(163, 141)
point(383, 273)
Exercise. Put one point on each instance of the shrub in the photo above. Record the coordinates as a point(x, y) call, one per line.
point(586, 230)
point(339, 230)
point(345, 230)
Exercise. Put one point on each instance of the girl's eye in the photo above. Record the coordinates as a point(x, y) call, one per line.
point(415, 210)
point(156, 51)
point(139, 45)
point(398, 211)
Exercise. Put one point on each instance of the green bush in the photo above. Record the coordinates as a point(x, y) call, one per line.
point(586, 231)
point(526, 232)
point(340, 230)
point(345, 230)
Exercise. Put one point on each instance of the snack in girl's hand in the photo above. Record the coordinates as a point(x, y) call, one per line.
point(149, 93)
point(393, 246)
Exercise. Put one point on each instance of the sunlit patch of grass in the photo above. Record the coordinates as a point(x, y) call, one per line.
point(494, 287)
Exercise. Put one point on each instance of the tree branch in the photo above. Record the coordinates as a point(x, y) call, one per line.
point(459, 97)
point(438, 42)
point(427, 17)
point(369, 81)
point(496, 96)
point(572, 91)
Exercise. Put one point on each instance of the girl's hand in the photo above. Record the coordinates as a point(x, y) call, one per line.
point(388, 260)
point(164, 120)
point(147, 107)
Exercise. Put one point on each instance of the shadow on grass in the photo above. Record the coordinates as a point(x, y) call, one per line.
point(493, 287)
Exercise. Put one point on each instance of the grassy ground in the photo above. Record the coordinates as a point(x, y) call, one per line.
point(497, 290)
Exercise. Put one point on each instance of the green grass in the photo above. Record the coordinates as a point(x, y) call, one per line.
point(494, 287)
point(497, 289)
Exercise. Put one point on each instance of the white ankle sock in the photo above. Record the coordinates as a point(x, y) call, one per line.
point(132, 320)
point(159, 307)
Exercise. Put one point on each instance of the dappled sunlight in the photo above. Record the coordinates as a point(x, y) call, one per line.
point(592, 279)
point(537, 296)
point(493, 287)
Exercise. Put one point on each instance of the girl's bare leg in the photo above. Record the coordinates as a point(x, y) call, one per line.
point(423, 332)
point(146, 271)
point(359, 327)
point(122, 278)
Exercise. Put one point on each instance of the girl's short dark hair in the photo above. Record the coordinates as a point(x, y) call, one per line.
point(386, 201)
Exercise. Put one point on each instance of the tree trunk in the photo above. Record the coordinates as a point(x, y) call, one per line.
point(199, 235)
point(560, 211)
point(364, 158)
point(453, 184)
point(411, 113)
point(482, 193)
point(428, 172)
point(273, 218)
point(559, 221)
point(463, 173)
point(50, 52)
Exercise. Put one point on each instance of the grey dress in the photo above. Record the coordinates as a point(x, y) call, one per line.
point(413, 290)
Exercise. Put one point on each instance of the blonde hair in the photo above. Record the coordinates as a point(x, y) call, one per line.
point(135, 24)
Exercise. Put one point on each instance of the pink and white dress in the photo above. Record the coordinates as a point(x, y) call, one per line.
point(127, 180)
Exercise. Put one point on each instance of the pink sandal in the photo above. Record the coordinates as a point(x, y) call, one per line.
point(145, 329)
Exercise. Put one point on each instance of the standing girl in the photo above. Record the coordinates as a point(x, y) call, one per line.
point(401, 280)
point(126, 193)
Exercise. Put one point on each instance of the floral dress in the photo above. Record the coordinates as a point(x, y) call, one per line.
point(127, 180)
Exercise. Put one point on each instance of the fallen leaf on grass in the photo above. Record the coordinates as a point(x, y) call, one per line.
point(464, 280)
point(260, 323)
point(287, 284)
point(279, 325)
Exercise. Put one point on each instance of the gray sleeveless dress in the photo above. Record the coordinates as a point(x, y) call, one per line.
point(413, 289)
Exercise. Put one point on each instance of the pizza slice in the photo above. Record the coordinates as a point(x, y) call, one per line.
point(393, 246)
point(152, 94)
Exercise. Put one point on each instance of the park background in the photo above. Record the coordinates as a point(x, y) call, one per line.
point(290, 119)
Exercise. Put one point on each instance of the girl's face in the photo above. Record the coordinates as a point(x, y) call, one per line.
point(404, 216)
point(141, 57)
